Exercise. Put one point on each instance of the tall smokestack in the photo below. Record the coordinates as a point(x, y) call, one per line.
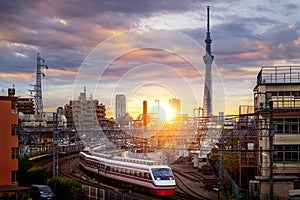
point(145, 113)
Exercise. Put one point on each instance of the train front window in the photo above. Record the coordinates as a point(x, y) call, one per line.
point(162, 174)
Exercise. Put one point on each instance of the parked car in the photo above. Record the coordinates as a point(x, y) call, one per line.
point(43, 192)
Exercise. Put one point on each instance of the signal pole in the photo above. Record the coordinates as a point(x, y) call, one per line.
point(55, 145)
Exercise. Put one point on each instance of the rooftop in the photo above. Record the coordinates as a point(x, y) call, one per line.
point(278, 75)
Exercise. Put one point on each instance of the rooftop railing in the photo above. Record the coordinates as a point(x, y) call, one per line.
point(279, 74)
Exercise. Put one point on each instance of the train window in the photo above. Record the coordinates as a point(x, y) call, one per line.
point(132, 172)
point(137, 174)
point(148, 175)
point(128, 171)
point(123, 171)
point(108, 168)
point(142, 174)
point(162, 174)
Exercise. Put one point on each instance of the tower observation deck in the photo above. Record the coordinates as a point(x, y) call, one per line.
point(208, 60)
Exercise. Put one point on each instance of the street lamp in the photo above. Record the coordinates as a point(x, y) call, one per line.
point(218, 190)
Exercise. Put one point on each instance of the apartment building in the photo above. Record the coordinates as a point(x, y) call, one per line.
point(8, 141)
point(277, 115)
point(84, 112)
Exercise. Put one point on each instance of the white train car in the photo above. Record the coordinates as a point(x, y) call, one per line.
point(157, 179)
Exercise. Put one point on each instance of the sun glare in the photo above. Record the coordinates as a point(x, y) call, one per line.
point(165, 112)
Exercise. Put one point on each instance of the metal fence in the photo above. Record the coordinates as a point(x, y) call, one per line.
point(243, 194)
point(94, 193)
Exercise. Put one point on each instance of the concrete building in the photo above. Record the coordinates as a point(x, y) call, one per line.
point(84, 109)
point(277, 115)
point(25, 105)
point(68, 112)
point(8, 141)
point(175, 105)
point(120, 105)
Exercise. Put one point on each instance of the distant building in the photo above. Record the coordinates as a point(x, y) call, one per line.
point(208, 59)
point(120, 105)
point(84, 112)
point(25, 105)
point(8, 141)
point(68, 112)
point(175, 105)
point(277, 107)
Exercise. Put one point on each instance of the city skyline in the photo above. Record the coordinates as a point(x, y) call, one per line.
point(245, 36)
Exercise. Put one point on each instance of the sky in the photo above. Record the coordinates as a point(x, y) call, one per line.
point(147, 50)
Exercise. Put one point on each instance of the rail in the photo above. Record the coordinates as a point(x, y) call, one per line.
point(279, 74)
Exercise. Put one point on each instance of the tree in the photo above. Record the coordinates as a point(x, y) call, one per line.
point(24, 165)
point(37, 175)
point(30, 173)
point(66, 188)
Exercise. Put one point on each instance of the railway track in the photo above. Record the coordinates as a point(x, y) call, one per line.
point(185, 190)
point(69, 167)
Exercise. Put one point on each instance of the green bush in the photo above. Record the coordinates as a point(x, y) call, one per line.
point(66, 188)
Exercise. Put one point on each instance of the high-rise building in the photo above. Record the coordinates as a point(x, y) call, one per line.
point(208, 60)
point(277, 112)
point(120, 105)
point(8, 141)
point(84, 112)
point(175, 105)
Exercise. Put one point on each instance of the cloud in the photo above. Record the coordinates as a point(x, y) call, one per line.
point(246, 35)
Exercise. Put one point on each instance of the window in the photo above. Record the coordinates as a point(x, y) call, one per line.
point(14, 153)
point(13, 176)
point(162, 174)
point(286, 153)
point(287, 125)
point(13, 129)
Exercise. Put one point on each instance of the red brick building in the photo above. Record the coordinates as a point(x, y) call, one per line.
point(8, 141)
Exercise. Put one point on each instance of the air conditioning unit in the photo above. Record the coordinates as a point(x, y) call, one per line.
point(254, 189)
point(262, 105)
point(253, 185)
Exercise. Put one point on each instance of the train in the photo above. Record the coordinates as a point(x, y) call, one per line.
point(145, 175)
point(74, 147)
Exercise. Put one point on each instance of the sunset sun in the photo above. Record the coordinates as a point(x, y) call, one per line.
point(165, 112)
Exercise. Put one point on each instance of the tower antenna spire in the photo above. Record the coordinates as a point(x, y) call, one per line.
point(207, 18)
point(208, 60)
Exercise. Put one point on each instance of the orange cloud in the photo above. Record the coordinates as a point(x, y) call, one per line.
point(297, 42)
point(55, 72)
point(292, 26)
point(63, 22)
point(18, 76)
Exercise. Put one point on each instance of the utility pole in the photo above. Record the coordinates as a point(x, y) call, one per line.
point(55, 145)
point(271, 148)
point(221, 165)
